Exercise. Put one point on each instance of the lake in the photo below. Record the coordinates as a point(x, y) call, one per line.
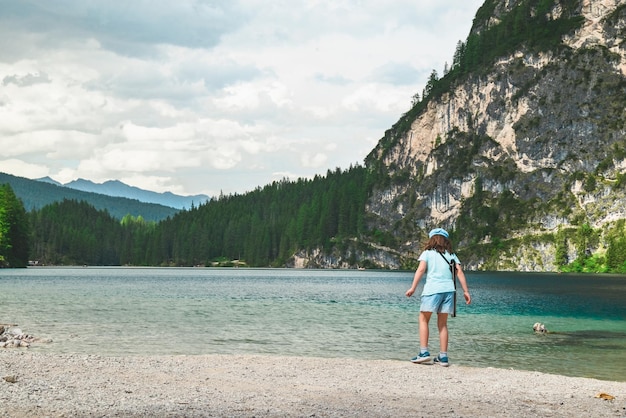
point(320, 313)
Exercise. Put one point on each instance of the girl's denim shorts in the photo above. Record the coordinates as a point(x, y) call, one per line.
point(439, 303)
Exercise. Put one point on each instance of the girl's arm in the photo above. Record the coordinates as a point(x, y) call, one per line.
point(461, 276)
point(421, 269)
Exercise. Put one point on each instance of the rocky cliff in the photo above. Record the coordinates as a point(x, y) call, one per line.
point(523, 155)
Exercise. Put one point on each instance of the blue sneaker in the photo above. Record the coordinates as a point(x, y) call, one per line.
point(421, 358)
point(442, 361)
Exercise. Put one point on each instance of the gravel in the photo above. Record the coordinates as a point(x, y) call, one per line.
point(34, 384)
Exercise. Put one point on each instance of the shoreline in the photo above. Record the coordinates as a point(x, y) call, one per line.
point(59, 385)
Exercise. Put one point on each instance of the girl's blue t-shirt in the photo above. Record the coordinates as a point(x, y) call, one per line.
point(438, 278)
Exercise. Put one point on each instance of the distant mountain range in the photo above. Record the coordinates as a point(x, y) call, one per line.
point(118, 189)
point(37, 194)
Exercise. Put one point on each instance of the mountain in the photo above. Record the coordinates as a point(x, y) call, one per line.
point(119, 189)
point(49, 180)
point(36, 194)
point(520, 148)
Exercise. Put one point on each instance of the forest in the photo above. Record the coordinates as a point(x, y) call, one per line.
point(260, 228)
point(264, 227)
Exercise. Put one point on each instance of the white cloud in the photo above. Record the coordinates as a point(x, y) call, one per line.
point(253, 95)
point(23, 169)
point(317, 160)
point(203, 96)
point(376, 98)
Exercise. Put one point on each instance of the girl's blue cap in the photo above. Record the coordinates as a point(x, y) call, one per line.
point(438, 231)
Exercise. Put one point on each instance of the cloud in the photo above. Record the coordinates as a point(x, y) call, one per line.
point(25, 80)
point(397, 74)
point(203, 96)
point(129, 27)
point(332, 79)
point(316, 160)
point(23, 169)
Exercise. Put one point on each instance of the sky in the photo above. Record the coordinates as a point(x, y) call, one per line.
point(211, 96)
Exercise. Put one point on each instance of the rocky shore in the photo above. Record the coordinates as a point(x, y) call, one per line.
point(37, 384)
point(12, 337)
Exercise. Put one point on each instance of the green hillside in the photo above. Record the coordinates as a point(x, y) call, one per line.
point(261, 228)
point(36, 194)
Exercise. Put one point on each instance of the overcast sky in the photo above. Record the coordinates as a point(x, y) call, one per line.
point(203, 96)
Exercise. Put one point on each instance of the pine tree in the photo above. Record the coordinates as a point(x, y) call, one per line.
point(4, 236)
point(14, 230)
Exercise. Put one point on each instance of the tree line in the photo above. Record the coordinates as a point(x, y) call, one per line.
point(264, 227)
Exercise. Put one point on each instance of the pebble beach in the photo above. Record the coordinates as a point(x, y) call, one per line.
point(35, 384)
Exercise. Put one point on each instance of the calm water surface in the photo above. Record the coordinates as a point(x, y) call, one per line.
point(326, 313)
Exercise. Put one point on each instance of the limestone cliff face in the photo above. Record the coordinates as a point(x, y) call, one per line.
point(542, 131)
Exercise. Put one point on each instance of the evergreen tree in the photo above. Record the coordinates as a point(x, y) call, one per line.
point(5, 246)
point(616, 251)
point(14, 230)
point(75, 233)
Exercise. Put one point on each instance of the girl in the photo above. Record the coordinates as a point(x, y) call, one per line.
point(438, 293)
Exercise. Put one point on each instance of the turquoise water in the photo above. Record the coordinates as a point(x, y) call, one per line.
point(326, 313)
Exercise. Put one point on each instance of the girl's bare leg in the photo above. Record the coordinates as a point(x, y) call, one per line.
point(423, 323)
point(442, 324)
